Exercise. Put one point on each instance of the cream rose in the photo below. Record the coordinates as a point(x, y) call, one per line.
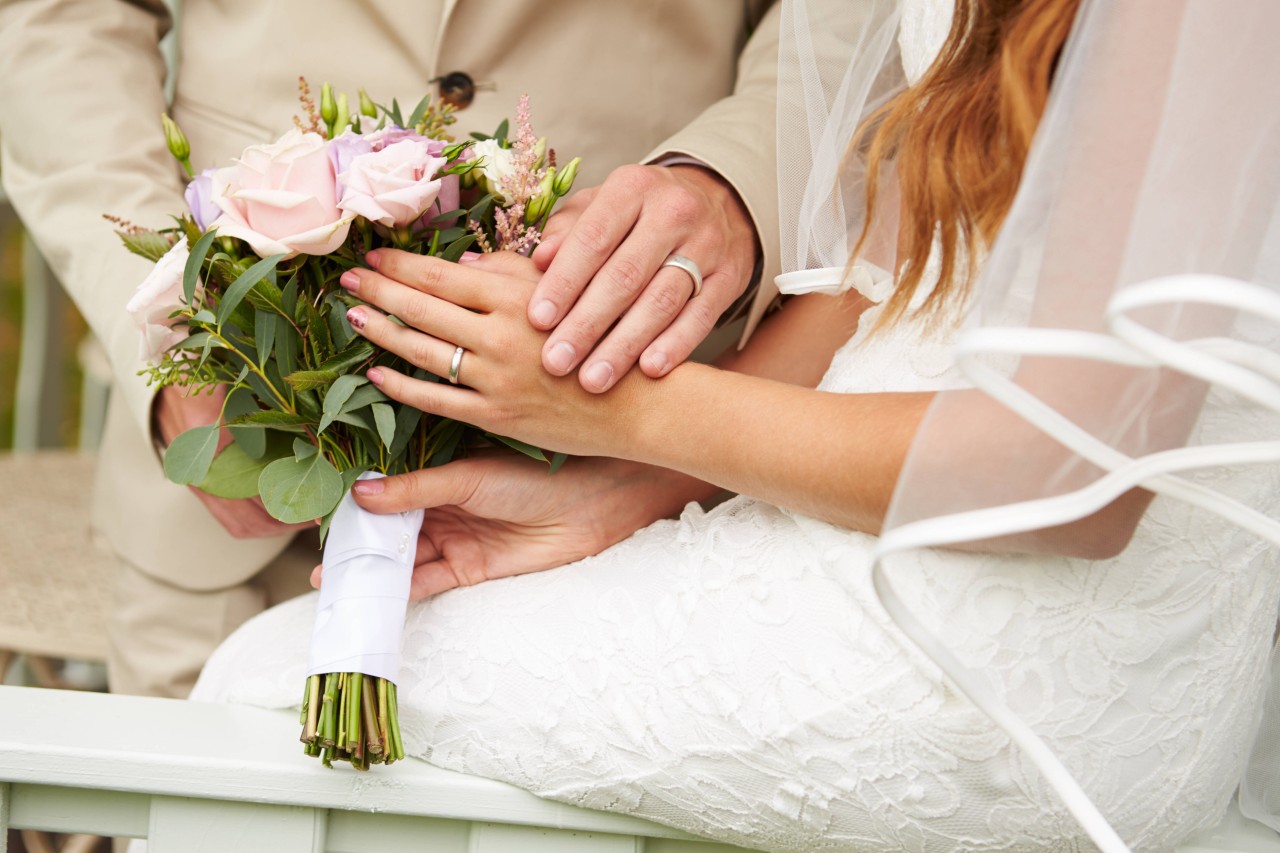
point(393, 186)
point(282, 198)
point(496, 163)
point(156, 299)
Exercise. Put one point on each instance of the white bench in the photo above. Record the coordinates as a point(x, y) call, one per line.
point(196, 777)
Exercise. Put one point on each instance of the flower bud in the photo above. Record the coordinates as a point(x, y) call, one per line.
point(367, 107)
point(328, 109)
point(179, 147)
point(564, 181)
point(539, 152)
point(344, 114)
point(536, 209)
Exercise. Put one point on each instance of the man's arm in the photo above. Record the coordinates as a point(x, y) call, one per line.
point(610, 241)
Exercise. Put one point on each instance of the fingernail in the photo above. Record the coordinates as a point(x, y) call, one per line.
point(367, 487)
point(658, 362)
point(350, 280)
point(544, 313)
point(599, 375)
point(561, 357)
point(469, 257)
point(373, 259)
point(374, 375)
point(356, 318)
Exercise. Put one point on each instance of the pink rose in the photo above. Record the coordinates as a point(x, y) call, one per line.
point(159, 296)
point(282, 198)
point(394, 186)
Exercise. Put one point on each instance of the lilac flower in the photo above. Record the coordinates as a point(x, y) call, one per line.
point(199, 196)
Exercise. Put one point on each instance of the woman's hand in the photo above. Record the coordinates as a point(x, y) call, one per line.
point(503, 515)
point(481, 306)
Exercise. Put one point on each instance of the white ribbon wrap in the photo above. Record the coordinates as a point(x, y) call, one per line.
point(368, 563)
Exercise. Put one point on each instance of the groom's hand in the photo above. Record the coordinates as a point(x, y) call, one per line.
point(605, 292)
point(502, 515)
point(174, 413)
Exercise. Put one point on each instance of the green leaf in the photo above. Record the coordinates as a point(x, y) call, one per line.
point(338, 394)
point(501, 133)
point(151, 245)
point(200, 340)
point(524, 447)
point(264, 333)
point(363, 396)
point(187, 460)
point(204, 315)
point(448, 235)
point(557, 459)
point(271, 419)
point(455, 249)
point(234, 473)
point(356, 419)
point(339, 327)
point(349, 477)
point(446, 218)
point(305, 380)
point(385, 417)
point(289, 296)
point(304, 449)
point(191, 273)
point(407, 418)
point(287, 346)
point(481, 207)
point(240, 403)
point(419, 111)
point(244, 284)
point(297, 490)
point(359, 350)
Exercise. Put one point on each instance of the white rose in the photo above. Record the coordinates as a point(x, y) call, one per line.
point(159, 296)
point(496, 163)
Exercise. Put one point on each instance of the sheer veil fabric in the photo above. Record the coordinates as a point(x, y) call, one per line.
point(1125, 332)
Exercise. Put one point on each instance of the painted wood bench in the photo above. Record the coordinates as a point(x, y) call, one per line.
point(196, 777)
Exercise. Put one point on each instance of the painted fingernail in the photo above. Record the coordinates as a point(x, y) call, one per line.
point(469, 257)
point(373, 259)
point(544, 313)
point(367, 487)
point(374, 375)
point(356, 318)
point(658, 363)
point(351, 281)
point(561, 357)
point(599, 375)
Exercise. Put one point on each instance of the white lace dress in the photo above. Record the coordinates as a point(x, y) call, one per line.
point(732, 674)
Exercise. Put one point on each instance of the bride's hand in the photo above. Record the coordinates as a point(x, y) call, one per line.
point(502, 387)
point(503, 515)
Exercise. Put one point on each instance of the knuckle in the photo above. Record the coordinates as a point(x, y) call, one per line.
point(593, 236)
point(681, 208)
point(427, 276)
point(632, 177)
point(667, 299)
point(624, 276)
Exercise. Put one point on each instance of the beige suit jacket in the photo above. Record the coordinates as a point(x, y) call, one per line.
point(81, 91)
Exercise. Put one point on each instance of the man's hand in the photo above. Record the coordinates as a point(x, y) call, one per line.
point(605, 291)
point(503, 515)
point(174, 413)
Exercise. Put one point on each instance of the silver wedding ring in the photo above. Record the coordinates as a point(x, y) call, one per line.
point(454, 364)
point(688, 265)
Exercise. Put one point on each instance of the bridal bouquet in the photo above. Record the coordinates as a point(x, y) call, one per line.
point(244, 297)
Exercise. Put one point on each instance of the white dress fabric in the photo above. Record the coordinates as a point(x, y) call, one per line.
point(732, 673)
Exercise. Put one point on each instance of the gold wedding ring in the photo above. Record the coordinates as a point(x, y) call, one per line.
point(688, 265)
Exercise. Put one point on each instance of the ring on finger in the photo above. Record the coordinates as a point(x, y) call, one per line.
point(454, 364)
point(675, 259)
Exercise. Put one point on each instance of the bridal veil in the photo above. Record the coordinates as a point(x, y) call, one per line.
point(1132, 293)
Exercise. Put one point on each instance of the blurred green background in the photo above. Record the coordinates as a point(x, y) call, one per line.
point(66, 325)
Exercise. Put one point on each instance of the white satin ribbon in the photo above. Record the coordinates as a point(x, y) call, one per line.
point(368, 563)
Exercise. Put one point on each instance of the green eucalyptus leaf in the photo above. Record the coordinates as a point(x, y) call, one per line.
point(339, 327)
point(455, 249)
point(385, 417)
point(271, 419)
point(501, 133)
point(349, 478)
point(204, 315)
point(234, 473)
point(288, 344)
point(151, 245)
point(364, 396)
point(191, 272)
point(296, 490)
point(446, 218)
point(304, 449)
point(187, 459)
point(356, 419)
point(244, 284)
point(407, 418)
point(524, 447)
point(241, 403)
point(289, 296)
point(359, 350)
point(339, 392)
point(264, 332)
point(557, 459)
point(305, 380)
point(419, 111)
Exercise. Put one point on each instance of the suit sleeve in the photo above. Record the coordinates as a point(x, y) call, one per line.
point(81, 92)
point(736, 137)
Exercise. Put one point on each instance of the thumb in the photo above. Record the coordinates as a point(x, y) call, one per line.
point(447, 485)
